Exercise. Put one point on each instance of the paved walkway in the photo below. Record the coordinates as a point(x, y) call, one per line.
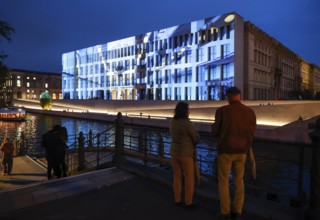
point(131, 191)
point(25, 171)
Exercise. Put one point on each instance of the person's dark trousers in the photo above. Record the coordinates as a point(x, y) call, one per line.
point(49, 166)
point(62, 159)
point(7, 162)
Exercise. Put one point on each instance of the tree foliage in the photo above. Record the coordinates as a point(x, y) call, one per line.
point(5, 32)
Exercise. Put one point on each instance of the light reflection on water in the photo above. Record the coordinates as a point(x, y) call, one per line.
point(36, 125)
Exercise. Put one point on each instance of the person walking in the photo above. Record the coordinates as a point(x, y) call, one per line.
point(182, 151)
point(7, 149)
point(234, 127)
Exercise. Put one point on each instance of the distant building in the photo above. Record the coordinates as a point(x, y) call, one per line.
point(193, 61)
point(26, 84)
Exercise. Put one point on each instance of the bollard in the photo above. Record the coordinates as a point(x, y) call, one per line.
point(119, 138)
point(16, 147)
point(22, 146)
point(81, 159)
point(313, 211)
point(90, 145)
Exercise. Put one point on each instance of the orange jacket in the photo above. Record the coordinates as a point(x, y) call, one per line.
point(235, 126)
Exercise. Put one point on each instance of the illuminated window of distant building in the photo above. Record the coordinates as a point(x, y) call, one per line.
point(34, 78)
point(28, 90)
point(46, 85)
point(18, 83)
point(28, 84)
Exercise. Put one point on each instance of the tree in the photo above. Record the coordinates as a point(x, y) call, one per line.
point(5, 31)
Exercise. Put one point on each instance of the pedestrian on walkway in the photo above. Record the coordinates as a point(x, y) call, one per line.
point(54, 143)
point(184, 138)
point(234, 127)
point(7, 149)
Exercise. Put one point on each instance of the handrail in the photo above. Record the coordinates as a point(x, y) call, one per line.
point(282, 168)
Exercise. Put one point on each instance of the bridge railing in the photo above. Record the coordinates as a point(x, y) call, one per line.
point(283, 169)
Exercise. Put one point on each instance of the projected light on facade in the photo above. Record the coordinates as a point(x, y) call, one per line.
point(192, 61)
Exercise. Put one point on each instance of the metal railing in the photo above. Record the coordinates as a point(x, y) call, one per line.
point(283, 169)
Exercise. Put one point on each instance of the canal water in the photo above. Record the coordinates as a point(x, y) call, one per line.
point(36, 125)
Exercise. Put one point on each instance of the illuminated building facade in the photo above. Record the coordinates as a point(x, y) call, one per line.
point(193, 61)
point(26, 84)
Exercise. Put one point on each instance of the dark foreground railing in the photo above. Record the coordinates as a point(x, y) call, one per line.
point(283, 168)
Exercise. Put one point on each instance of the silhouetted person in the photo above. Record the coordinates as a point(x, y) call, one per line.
point(55, 152)
point(7, 149)
point(62, 150)
point(182, 150)
point(234, 127)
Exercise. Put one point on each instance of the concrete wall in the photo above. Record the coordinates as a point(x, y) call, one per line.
point(277, 112)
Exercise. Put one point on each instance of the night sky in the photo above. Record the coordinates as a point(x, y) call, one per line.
point(45, 29)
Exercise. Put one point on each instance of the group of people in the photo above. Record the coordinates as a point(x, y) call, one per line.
point(234, 127)
point(55, 143)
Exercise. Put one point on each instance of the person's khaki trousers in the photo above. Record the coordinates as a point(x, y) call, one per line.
point(183, 167)
point(226, 162)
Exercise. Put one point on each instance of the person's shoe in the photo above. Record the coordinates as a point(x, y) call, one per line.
point(190, 207)
point(178, 204)
point(235, 215)
point(225, 217)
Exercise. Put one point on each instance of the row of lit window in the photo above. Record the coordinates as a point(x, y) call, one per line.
point(160, 60)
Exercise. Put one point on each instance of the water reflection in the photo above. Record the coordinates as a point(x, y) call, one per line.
point(36, 125)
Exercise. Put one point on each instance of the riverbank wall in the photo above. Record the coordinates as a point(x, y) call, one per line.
point(288, 120)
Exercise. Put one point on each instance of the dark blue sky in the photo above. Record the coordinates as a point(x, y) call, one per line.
point(45, 29)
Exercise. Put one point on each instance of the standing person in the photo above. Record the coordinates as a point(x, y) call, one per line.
point(7, 148)
point(234, 127)
point(51, 141)
point(62, 150)
point(182, 150)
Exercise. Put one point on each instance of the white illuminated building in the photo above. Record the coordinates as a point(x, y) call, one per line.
point(193, 61)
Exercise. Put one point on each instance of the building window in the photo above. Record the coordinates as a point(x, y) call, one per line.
point(228, 31)
point(189, 74)
point(222, 29)
point(46, 85)
point(200, 55)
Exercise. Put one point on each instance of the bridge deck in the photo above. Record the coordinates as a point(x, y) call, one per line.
point(119, 193)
